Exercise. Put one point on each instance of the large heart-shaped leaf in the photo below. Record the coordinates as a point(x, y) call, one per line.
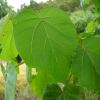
point(7, 42)
point(86, 64)
point(46, 39)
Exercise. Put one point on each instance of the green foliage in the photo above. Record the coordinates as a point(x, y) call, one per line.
point(97, 3)
point(71, 92)
point(68, 92)
point(81, 20)
point(97, 30)
point(80, 26)
point(66, 5)
point(47, 42)
point(52, 92)
point(86, 63)
point(8, 51)
point(3, 8)
point(86, 21)
point(91, 27)
point(84, 15)
point(84, 2)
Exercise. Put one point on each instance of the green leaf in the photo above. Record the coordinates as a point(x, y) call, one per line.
point(52, 92)
point(97, 3)
point(39, 82)
point(91, 27)
point(7, 42)
point(70, 92)
point(46, 40)
point(10, 83)
point(86, 64)
point(86, 1)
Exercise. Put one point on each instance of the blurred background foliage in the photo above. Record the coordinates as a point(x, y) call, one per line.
point(3, 8)
point(81, 16)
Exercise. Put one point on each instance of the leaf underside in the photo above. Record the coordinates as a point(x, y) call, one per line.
point(46, 40)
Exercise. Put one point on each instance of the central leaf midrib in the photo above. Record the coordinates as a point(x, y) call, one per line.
point(34, 30)
point(53, 51)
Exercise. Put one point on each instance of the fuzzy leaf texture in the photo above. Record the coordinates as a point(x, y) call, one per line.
point(46, 39)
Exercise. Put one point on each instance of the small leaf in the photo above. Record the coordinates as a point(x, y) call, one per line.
point(91, 27)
